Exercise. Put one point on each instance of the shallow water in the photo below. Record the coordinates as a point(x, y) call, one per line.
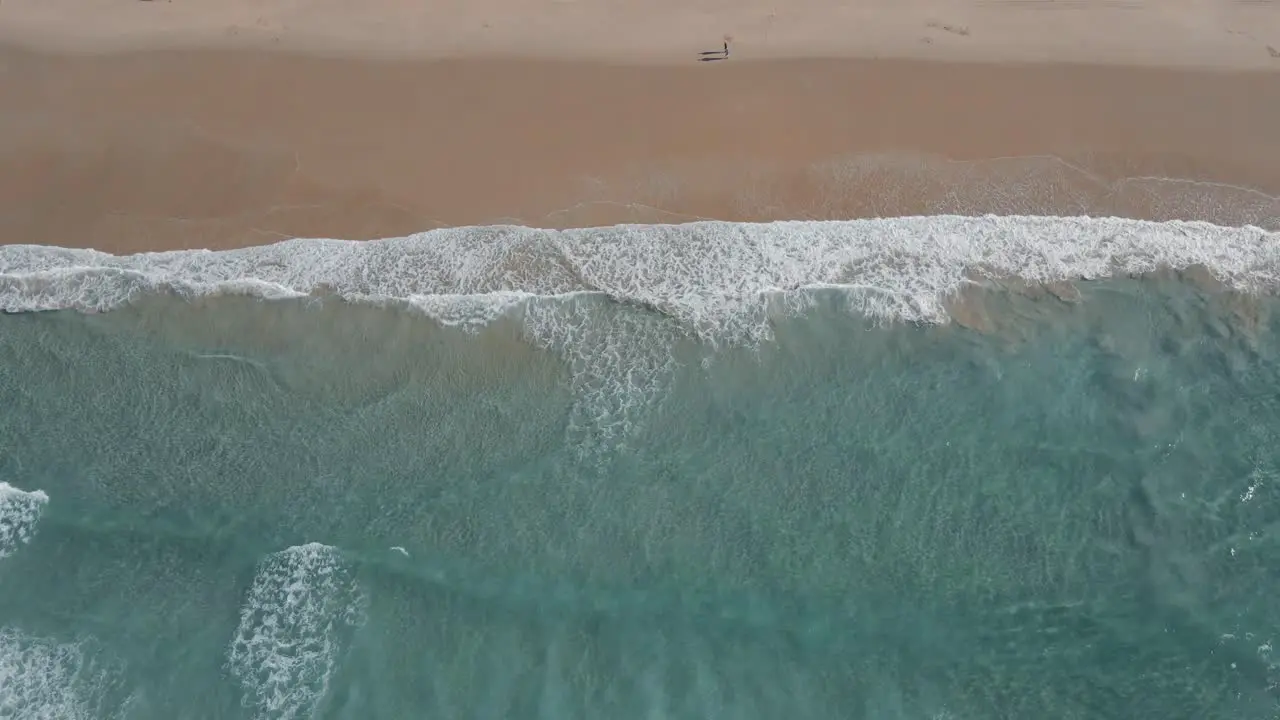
point(593, 507)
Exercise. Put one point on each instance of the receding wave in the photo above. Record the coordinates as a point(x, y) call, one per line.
point(718, 280)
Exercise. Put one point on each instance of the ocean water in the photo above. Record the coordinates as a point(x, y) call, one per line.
point(936, 467)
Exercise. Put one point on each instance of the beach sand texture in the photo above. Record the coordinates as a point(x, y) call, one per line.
point(1229, 33)
point(227, 124)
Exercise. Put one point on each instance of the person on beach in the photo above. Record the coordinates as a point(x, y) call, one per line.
point(709, 55)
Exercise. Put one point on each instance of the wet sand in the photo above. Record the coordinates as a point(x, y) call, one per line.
point(221, 148)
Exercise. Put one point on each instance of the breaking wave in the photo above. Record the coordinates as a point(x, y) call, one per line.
point(20, 511)
point(44, 679)
point(289, 639)
point(718, 280)
point(721, 283)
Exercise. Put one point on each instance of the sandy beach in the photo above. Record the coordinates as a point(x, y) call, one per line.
point(366, 360)
point(147, 125)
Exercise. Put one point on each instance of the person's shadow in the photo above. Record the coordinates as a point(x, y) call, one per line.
point(713, 55)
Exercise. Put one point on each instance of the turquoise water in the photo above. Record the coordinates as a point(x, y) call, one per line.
point(230, 507)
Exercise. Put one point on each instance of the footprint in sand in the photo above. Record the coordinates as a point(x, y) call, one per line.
point(960, 30)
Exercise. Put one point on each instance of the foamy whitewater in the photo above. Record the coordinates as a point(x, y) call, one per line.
point(39, 678)
point(715, 277)
point(285, 648)
point(19, 512)
point(931, 467)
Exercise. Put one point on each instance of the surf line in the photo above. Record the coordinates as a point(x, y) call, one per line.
point(713, 55)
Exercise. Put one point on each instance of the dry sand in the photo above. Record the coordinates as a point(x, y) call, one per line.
point(1220, 33)
point(145, 124)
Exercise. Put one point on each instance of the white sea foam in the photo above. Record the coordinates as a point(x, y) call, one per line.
point(37, 678)
point(20, 511)
point(720, 282)
point(43, 679)
point(715, 278)
point(289, 639)
point(619, 365)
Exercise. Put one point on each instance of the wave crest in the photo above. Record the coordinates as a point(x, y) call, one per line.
point(20, 511)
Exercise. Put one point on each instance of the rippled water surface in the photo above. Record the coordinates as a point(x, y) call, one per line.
point(1062, 504)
